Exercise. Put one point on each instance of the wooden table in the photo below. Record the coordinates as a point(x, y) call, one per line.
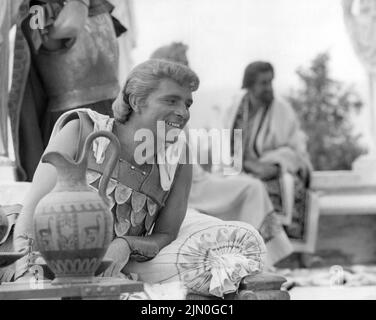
point(102, 289)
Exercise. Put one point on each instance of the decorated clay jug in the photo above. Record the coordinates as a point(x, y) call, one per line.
point(73, 224)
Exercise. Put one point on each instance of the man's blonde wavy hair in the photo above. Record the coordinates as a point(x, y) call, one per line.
point(145, 78)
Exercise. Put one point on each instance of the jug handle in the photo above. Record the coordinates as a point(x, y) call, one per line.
point(111, 162)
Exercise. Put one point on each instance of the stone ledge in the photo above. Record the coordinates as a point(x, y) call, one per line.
point(345, 192)
point(347, 204)
point(342, 181)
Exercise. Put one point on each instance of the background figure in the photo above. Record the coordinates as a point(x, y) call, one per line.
point(8, 14)
point(176, 51)
point(274, 151)
point(239, 197)
point(124, 12)
point(361, 28)
point(71, 62)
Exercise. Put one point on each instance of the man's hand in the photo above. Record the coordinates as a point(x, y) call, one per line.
point(304, 173)
point(262, 170)
point(70, 21)
point(119, 253)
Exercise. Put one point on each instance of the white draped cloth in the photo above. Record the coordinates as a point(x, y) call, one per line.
point(361, 27)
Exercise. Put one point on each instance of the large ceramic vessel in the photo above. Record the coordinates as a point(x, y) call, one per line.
point(73, 224)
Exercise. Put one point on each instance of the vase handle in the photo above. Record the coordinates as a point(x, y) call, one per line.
point(107, 172)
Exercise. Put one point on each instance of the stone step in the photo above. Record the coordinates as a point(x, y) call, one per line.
point(342, 181)
point(352, 204)
point(344, 192)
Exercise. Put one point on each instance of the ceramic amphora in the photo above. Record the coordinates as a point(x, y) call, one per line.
point(73, 224)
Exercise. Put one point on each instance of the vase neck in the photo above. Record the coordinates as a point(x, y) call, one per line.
point(70, 175)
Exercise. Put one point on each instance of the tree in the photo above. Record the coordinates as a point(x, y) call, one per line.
point(324, 107)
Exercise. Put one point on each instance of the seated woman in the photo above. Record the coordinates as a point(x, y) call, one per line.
point(155, 91)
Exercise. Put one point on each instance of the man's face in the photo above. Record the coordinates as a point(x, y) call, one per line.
point(169, 103)
point(262, 89)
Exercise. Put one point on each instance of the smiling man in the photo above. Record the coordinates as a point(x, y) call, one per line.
point(151, 198)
